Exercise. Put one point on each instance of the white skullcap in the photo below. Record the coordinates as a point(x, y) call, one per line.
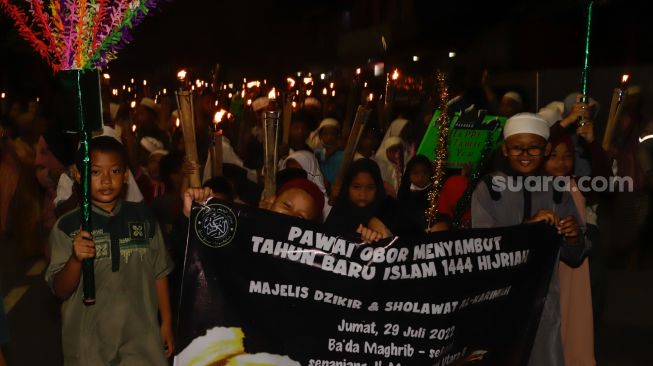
point(514, 96)
point(329, 122)
point(150, 103)
point(313, 140)
point(526, 123)
point(159, 152)
point(151, 144)
point(550, 115)
point(260, 103)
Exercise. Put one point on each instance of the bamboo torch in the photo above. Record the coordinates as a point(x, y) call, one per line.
point(270, 142)
point(618, 99)
point(362, 115)
point(187, 117)
point(216, 143)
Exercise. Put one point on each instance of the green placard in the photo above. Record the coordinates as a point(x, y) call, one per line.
point(467, 137)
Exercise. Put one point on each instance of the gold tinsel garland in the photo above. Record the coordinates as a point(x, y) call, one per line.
point(441, 151)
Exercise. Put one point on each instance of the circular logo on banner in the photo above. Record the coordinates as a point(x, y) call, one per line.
point(215, 225)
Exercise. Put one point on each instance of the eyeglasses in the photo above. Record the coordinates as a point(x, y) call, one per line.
point(530, 151)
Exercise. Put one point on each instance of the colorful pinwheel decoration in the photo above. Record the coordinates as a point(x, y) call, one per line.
point(77, 34)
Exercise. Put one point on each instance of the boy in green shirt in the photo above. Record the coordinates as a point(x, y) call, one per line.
point(131, 268)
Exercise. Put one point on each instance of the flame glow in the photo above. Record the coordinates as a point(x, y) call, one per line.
point(106, 76)
point(624, 78)
point(249, 102)
point(181, 75)
point(370, 97)
point(134, 128)
point(133, 104)
point(219, 115)
point(294, 104)
point(358, 71)
point(308, 80)
point(272, 94)
point(291, 82)
point(331, 85)
point(333, 93)
point(324, 91)
point(395, 75)
point(308, 92)
point(144, 82)
point(165, 91)
point(177, 122)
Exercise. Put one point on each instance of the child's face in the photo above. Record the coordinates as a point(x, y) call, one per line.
point(299, 132)
point(362, 189)
point(330, 136)
point(295, 202)
point(419, 176)
point(525, 152)
point(560, 163)
point(394, 154)
point(154, 166)
point(108, 174)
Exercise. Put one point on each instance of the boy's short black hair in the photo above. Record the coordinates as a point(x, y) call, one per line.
point(104, 144)
point(220, 185)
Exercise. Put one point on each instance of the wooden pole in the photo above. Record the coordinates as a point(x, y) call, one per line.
point(618, 98)
point(287, 118)
point(270, 141)
point(187, 118)
point(362, 115)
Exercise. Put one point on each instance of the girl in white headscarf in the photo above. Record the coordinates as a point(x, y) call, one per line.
point(390, 157)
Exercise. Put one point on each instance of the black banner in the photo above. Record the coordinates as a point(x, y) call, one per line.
point(261, 288)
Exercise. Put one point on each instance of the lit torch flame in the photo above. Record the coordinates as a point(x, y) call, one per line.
point(331, 85)
point(370, 97)
point(133, 104)
point(308, 92)
point(358, 71)
point(395, 75)
point(291, 82)
point(624, 78)
point(249, 102)
point(106, 76)
point(294, 104)
point(177, 122)
point(134, 128)
point(333, 93)
point(272, 95)
point(165, 91)
point(324, 91)
point(144, 82)
point(308, 80)
point(218, 116)
point(181, 75)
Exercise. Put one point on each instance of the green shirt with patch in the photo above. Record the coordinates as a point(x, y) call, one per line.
point(122, 328)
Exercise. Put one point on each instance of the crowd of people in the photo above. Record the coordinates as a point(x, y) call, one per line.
point(141, 197)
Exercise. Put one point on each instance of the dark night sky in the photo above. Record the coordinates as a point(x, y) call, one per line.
point(272, 38)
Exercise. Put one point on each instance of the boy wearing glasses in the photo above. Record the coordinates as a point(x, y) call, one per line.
point(524, 149)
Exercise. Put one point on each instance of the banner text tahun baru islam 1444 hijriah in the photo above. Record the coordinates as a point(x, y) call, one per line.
point(261, 288)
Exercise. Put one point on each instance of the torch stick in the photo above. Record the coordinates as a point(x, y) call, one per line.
point(362, 115)
point(618, 98)
point(270, 140)
point(187, 117)
point(585, 98)
point(351, 104)
point(216, 144)
point(287, 117)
